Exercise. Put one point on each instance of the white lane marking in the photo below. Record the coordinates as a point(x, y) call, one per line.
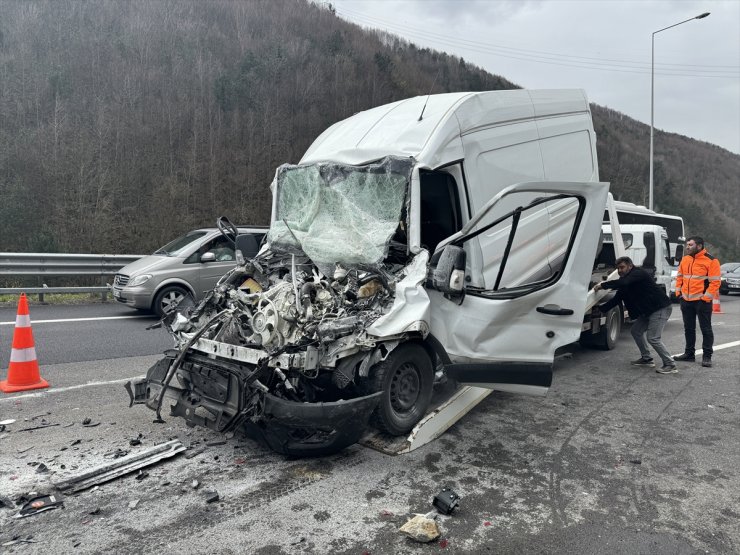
point(80, 319)
point(65, 389)
point(716, 347)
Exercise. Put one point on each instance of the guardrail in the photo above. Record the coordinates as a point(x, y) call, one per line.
point(59, 264)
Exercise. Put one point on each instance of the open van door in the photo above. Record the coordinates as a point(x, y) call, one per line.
point(535, 245)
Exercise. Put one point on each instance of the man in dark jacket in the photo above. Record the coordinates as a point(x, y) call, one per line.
point(648, 305)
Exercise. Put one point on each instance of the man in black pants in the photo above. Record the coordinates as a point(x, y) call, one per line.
point(648, 305)
point(697, 283)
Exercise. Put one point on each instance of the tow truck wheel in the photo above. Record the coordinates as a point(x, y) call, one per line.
point(607, 337)
point(406, 378)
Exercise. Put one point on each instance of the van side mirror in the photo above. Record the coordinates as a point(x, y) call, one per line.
point(208, 257)
point(449, 274)
point(679, 253)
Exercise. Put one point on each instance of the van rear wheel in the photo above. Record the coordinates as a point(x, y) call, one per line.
point(168, 298)
point(406, 379)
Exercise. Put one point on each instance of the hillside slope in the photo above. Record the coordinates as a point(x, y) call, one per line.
point(125, 123)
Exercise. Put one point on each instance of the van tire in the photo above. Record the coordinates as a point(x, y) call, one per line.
point(169, 295)
point(406, 379)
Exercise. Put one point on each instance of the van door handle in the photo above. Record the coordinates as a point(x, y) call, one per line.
point(555, 310)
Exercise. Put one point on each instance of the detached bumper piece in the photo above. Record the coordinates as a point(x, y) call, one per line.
point(216, 395)
point(121, 467)
point(311, 429)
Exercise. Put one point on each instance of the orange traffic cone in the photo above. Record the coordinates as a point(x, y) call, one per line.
point(23, 372)
point(716, 308)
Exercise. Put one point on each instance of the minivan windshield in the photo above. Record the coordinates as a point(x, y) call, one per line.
point(339, 213)
point(174, 248)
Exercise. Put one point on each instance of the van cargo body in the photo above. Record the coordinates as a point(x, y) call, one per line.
point(440, 237)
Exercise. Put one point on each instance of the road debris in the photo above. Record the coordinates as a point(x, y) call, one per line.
point(121, 466)
point(39, 504)
point(16, 540)
point(195, 484)
point(446, 501)
point(211, 496)
point(421, 528)
point(194, 452)
point(133, 504)
point(117, 454)
point(39, 427)
point(42, 469)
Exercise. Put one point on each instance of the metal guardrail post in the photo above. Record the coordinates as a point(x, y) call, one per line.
point(104, 294)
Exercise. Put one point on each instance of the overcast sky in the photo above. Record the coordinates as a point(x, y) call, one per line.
point(602, 46)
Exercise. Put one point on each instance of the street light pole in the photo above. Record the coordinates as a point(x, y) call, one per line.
point(652, 95)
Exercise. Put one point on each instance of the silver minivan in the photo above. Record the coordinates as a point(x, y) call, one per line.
point(191, 264)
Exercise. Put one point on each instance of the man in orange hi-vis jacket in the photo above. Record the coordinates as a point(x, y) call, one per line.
point(697, 283)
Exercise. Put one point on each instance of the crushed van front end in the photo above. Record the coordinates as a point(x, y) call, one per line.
point(283, 347)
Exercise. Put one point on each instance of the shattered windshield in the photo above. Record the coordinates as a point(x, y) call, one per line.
point(339, 213)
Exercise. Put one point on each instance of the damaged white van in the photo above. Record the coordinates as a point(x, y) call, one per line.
point(448, 237)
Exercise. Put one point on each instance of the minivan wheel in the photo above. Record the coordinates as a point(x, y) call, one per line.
point(406, 379)
point(168, 298)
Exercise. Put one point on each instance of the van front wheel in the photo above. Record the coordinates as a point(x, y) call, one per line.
point(406, 379)
point(167, 299)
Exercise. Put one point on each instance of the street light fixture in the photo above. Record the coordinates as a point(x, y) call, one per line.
point(652, 95)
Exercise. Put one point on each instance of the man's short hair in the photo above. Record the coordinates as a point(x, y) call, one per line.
point(696, 239)
point(626, 259)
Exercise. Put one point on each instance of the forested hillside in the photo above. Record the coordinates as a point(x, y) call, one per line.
point(123, 123)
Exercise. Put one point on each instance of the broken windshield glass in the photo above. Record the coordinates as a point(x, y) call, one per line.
point(338, 213)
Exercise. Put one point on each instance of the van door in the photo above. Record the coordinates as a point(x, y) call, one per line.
point(210, 271)
point(539, 241)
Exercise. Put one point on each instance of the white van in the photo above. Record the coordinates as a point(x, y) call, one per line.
point(441, 237)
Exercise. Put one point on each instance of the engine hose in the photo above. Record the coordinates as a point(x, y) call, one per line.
point(306, 290)
point(178, 361)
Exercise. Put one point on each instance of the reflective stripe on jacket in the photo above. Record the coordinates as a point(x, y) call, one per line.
point(698, 277)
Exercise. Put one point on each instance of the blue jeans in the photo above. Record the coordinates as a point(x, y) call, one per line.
point(652, 327)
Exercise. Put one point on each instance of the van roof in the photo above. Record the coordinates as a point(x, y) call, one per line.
point(434, 138)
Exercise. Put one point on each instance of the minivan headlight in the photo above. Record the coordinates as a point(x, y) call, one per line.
point(139, 280)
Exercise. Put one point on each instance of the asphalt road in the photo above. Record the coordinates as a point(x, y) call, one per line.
point(74, 333)
point(615, 459)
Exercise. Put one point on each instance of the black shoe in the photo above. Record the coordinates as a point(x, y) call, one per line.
point(668, 369)
point(685, 357)
point(706, 362)
point(644, 362)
